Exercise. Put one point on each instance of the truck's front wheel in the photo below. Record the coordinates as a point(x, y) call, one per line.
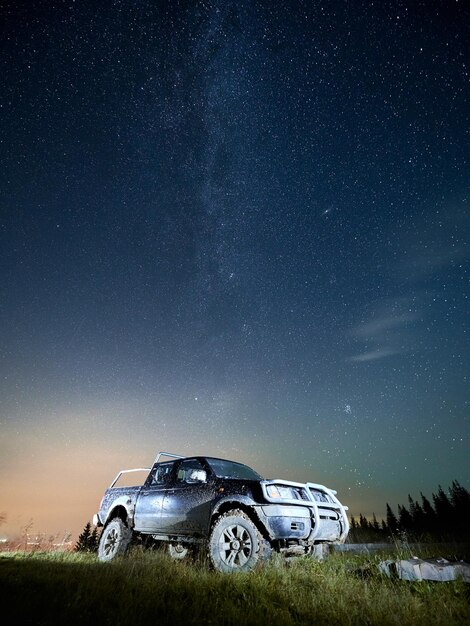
point(114, 540)
point(235, 544)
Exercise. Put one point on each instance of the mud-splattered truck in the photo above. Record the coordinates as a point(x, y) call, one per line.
point(224, 507)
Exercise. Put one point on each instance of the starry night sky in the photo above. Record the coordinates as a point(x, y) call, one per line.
point(238, 228)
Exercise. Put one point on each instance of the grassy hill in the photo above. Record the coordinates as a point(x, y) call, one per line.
point(149, 588)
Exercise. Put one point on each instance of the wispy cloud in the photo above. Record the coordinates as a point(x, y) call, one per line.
point(426, 247)
point(374, 355)
point(378, 326)
point(386, 332)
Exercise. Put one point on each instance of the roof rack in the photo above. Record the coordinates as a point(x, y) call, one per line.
point(173, 456)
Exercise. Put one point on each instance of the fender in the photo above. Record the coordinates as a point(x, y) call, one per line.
point(126, 503)
point(234, 501)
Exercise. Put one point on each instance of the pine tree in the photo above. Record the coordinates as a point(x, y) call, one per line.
point(429, 515)
point(444, 512)
point(94, 540)
point(392, 522)
point(83, 543)
point(460, 499)
point(363, 523)
point(405, 521)
point(375, 523)
point(417, 515)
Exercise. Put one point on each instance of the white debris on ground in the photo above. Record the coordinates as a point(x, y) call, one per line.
point(439, 569)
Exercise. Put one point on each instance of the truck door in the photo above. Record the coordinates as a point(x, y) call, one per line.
point(187, 503)
point(149, 504)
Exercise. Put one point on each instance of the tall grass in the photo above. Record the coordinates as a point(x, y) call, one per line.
point(150, 588)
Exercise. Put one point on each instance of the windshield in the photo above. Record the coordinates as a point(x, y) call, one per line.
point(229, 469)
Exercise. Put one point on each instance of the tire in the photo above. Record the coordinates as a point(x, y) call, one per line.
point(235, 544)
point(114, 540)
point(320, 551)
point(178, 551)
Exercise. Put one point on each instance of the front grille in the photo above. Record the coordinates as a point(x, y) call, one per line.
point(302, 494)
point(328, 514)
point(319, 496)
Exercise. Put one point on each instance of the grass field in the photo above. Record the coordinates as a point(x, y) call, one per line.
point(150, 588)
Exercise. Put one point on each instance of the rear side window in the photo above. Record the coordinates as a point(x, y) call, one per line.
point(190, 471)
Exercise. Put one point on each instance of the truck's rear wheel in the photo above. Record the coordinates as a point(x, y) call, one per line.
point(235, 544)
point(178, 551)
point(114, 540)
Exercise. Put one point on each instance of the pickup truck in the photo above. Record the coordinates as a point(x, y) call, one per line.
point(224, 506)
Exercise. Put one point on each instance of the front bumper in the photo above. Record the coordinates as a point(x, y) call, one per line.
point(96, 520)
point(286, 522)
point(314, 514)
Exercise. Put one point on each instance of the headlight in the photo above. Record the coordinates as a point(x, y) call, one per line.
point(276, 492)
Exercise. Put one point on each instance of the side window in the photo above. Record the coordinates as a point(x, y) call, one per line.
point(162, 474)
point(191, 471)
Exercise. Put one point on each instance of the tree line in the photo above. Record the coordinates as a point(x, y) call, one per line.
point(445, 516)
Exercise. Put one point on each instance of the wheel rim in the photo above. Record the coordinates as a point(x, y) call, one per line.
point(235, 546)
point(111, 542)
point(179, 548)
